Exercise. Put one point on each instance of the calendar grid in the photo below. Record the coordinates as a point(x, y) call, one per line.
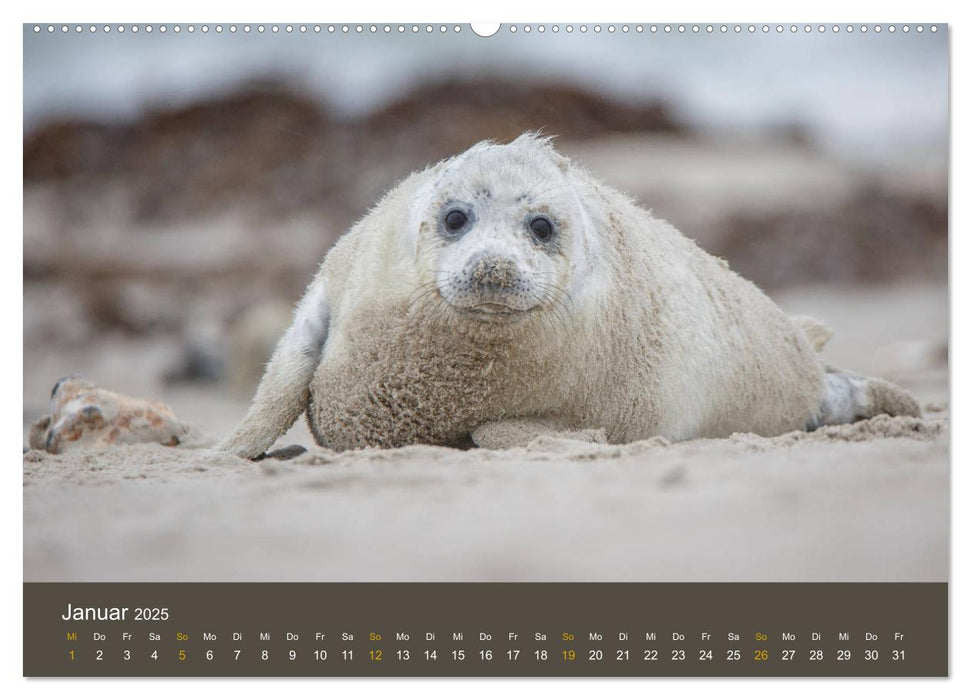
point(486, 629)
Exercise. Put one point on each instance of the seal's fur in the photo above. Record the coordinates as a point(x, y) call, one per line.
point(619, 323)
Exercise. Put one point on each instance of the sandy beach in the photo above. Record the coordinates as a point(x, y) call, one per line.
point(864, 502)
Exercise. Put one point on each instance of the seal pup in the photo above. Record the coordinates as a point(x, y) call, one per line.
point(505, 293)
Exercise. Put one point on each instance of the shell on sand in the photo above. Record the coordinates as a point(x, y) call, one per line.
point(85, 415)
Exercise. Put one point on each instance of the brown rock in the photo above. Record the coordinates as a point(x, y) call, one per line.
point(85, 415)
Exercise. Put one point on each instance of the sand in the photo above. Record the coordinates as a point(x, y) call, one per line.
point(865, 502)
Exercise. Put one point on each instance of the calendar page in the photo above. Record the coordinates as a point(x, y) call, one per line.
point(542, 349)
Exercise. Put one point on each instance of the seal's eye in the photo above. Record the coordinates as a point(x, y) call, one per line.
point(542, 228)
point(456, 220)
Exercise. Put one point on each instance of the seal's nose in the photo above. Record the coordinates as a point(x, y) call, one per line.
point(493, 271)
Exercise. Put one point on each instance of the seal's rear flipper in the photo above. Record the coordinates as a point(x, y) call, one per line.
point(849, 397)
point(817, 332)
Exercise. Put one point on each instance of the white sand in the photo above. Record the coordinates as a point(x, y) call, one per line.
point(853, 503)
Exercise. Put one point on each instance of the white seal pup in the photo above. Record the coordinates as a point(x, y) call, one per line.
point(505, 293)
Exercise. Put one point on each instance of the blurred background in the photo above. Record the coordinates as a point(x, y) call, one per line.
point(180, 189)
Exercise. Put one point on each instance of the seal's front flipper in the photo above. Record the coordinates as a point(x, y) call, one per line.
point(519, 432)
point(284, 391)
point(848, 398)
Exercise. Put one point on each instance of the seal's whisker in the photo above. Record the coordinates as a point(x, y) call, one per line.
point(550, 298)
point(422, 302)
point(419, 296)
point(422, 290)
point(565, 311)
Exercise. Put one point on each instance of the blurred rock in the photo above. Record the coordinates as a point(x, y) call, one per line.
point(197, 364)
point(870, 238)
point(268, 144)
point(252, 339)
point(910, 356)
point(202, 357)
point(233, 352)
point(783, 213)
point(186, 160)
point(697, 183)
point(449, 116)
point(85, 415)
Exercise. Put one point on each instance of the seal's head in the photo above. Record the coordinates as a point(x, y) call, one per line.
point(497, 230)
